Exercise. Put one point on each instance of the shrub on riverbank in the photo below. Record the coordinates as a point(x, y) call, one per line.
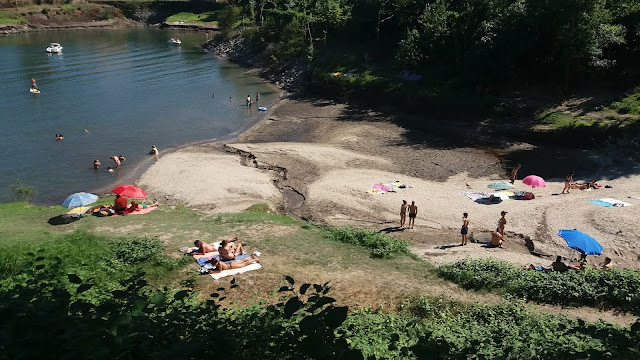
point(381, 246)
point(617, 288)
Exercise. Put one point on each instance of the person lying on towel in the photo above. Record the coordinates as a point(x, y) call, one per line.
point(202, 249)
point(221, 266)
point(229, 250)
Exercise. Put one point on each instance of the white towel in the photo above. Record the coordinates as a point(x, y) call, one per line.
point(615, 202)
point(226, 273)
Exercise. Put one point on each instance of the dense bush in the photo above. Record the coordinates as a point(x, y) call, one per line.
point(619, 288)
point(427, 328)
point(23, 192)
point(136, 250)
point(138, 323)
point(381, 246)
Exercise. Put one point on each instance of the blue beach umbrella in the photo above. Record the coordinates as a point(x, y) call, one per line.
point(580, 241)
point(79, 199)
point(500, 185)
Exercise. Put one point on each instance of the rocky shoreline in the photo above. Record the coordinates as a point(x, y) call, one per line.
point(292, 76)
point(8, 29)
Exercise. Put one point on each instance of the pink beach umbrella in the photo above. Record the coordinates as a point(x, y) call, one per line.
point(534, 181)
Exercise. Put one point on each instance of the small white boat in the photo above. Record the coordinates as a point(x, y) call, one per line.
point(174, 41)
point(54, 48)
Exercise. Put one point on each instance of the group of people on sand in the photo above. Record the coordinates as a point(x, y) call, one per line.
point(497, 236)
point(570, 184)
point(412, 210)
point(231, 254)
point(560, 266)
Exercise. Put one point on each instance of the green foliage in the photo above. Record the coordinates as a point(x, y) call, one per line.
point(260, 207)
point(427, 328)
point(630, 104)
point(228, 18)
point(23, 192)
point(136, 250)
point(164, 324)
point(381, 246)
point(618, 288)
point(208, 17)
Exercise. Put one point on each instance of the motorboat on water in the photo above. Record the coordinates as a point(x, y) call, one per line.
point(54, 48)
point(174, 41)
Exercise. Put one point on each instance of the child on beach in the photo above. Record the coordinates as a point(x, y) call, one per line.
point(502, 222)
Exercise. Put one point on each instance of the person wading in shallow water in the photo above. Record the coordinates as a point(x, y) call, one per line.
point(465, 228)
point(413, 212)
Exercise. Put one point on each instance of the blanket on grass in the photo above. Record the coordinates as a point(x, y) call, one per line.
point(231, 272)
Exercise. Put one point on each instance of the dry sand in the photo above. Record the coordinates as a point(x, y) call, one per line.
point(332, 155)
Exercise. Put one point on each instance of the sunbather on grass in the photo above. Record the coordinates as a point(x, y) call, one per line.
point(229, 250)
point(203, 248)
point(221, 266)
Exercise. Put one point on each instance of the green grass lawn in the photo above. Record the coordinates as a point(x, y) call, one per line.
point(11, 17)
point(208, 17)
point(288, 247)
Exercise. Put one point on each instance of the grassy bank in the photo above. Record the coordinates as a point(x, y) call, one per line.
point(209, 17)
point(121, 280)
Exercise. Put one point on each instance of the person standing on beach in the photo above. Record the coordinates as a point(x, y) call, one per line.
point(413, 212)
point(403, 213)
point(502, 222)
point(465, 228)
point(514, 173)
point(567, 182)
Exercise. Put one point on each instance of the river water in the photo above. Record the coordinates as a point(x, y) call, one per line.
point(128, 88)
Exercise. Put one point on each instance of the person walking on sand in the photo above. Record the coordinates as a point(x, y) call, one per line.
point(514, 173)
point(502, 222)
point(567, 182)
point(465, 228)
point(403, 213)
point(413, 212)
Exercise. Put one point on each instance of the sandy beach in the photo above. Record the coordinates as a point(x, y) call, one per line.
point(315, 160)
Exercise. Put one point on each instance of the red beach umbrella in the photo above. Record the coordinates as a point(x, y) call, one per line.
point(534, 181)
point(129, 191)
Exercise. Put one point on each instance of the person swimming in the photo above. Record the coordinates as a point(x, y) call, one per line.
point(96, 164)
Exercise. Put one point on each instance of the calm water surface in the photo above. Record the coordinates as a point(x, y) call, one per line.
point(129, 88)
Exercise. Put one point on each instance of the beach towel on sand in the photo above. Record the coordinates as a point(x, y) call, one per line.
point(226, 273)
point(141, 211)
point(475, 195)
point(381, 188)
point(609, 202)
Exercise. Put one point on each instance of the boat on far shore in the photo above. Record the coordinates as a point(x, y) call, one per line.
point(174, 41)
point(54, 48)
